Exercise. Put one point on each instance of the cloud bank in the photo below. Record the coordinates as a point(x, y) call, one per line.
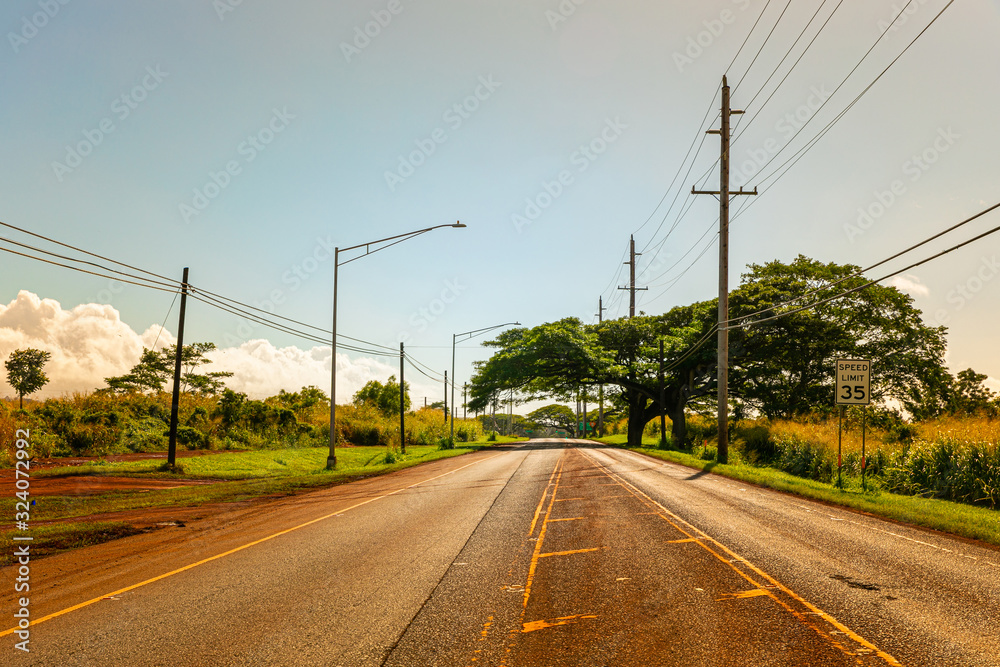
point(91, 342)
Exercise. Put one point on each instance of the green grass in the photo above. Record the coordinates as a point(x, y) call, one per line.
point(244, 476)
point(956, 518)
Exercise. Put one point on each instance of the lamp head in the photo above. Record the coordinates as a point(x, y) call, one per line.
point(459, 224)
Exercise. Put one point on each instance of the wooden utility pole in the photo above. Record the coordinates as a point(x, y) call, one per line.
point(723, 193)
point(631, 282)
point(446, 397)
point(402, 403)
point(663, 403)
point(600, 387)
point(176, 397)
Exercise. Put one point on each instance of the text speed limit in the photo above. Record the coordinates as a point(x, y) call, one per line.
point(854, 381)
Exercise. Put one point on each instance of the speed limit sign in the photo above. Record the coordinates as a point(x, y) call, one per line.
point(854, 381)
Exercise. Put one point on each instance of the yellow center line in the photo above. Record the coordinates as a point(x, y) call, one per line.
point(743, 595)
point(237, 549)
point(541, 501)
point(568, 553)
point(735, 558)
point(572, 518)
point(564, 620)
point(541, 539)
point(562, 500)
point(554, 485)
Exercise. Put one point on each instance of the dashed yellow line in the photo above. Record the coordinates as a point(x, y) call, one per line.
point(743, 595)
point(564, 620)
point(567, 553)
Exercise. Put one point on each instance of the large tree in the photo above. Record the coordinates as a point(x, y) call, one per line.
point(782, 362)
point(156, 368)
point(784, 367)
point(558, 359)
point(24, 372)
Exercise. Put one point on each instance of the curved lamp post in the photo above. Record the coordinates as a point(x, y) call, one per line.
point(454, 339)
point(331, 460)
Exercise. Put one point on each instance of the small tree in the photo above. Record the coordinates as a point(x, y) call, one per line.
point(384, 397)
point(24, 372)
point(156, 368)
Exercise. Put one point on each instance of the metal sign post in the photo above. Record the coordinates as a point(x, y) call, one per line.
point(853, 387)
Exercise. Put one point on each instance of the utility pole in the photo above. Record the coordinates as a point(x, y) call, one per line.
point(402, 403)
point(176, 397)
point(600, 387)
point(663, 403)
point(446, 397)
point(723, 193)
point(631, 283)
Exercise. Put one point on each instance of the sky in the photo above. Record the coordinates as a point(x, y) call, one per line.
point(246, 139)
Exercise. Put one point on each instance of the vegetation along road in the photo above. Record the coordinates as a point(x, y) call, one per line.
point(539, 553)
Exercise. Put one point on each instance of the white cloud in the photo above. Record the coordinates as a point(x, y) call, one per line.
point(90, 342)
point(261, 369)
point(911, 284)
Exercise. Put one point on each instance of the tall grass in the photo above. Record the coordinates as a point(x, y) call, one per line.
point(106, 424)
point(950, 458)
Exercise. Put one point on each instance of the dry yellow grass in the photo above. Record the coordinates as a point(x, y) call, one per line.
point(964, 429)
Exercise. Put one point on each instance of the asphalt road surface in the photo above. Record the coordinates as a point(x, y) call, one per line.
point(547, 553)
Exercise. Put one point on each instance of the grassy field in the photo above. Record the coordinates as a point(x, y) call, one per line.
point(956, 518)
point(242, 476)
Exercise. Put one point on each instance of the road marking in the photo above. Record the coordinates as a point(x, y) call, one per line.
point(541, 536)
point(733, 559)
point(554, 485)
point(572, 518)
point(568, 553)
point(743, 595)
point(564, 620)
point(237, 549)
point(542, 500)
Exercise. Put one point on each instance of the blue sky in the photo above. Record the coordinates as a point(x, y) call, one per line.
point(244, 139)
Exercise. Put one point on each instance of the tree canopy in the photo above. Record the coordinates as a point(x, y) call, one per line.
point(24, 372)
point(782, 361)
point(784, 367)
point(554, 416)
point(156, 368)
point(384, 397)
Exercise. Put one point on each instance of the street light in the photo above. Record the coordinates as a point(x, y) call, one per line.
point(331, 460)
point(454, 338)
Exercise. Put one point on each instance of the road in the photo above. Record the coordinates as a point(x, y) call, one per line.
point(547, 553)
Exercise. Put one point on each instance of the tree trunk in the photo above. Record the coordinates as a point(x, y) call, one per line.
point(678, 427)
point(636, 423)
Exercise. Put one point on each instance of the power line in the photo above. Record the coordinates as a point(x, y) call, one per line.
point(744, 324)
point(106, 259)
point(762, 45)
point(747, 38)
point(802, 151)
point(790, 69)
point(861, 272)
